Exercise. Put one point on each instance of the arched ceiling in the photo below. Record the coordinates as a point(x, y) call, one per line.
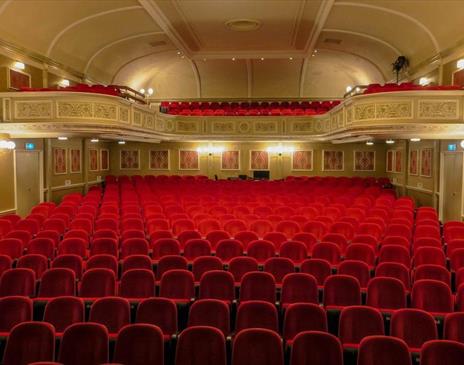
point(184, 48)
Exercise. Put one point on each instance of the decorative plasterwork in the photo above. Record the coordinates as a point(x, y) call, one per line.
point(437, 114)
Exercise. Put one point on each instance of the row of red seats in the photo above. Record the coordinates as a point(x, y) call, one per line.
point(83, 88)
point(139, 344)
point(387, 293)
point(406, 86)
point(245, 108)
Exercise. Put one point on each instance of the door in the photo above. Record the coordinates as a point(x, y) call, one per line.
point(452, 186)
point(28, 180)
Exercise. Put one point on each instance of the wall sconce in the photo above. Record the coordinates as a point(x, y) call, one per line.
point(210, 150)
point(5, 144)
point(460, 64)
point(19, 65)
point(424, 81)
point(280, 149)
point(64, 83)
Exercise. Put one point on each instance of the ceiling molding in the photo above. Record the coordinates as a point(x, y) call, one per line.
point(181, 13)
point(136, 59)
point(297, 23)
point(5, 5)
point(252, 54)
point(398, 13)
point(196, 73)
point(319, 24)
point(364, 35)
point(249, 68)
point(111, 44)
point(83, 20)
point(160, 19)
point(303, 68)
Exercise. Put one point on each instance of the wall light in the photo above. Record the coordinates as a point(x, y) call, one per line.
point(462, 144)
point(121, 142)
point(19, 65)
point(64, 83)
point(369, 143)
point(142, 91)
point(62, 138)
point(390, 141)
point(424, 81)
point(415, 139)
point(280, 149)
point(210, 149)
point(150, 91)
point(7, 145)
point(348, 88)
point(460, 63)
point(94, 140)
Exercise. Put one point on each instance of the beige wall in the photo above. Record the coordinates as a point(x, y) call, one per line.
point(279, 167)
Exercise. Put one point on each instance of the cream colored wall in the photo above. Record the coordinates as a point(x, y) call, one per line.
point(7, 186)
point(279, 167)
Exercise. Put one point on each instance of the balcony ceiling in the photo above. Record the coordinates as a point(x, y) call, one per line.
point(184, 48)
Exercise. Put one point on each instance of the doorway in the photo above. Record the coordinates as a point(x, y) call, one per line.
point(29, 181)
point(451, 182)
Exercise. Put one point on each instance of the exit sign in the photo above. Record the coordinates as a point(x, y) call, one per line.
point(452, 147)
point(29, 146)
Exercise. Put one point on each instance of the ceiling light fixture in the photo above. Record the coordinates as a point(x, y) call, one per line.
point(142, 91)
point(424, 81)
point(64, 83)
point(233, 58)
point(262, 58)
point(291, 58)
point(62, 138)
point(94, 140)
point(348, 89)
point(121, 142)
point(150, 91)
point(369, 143)
point(179, 53)
point(462, 144)
point(389, 141)
point(415, 139)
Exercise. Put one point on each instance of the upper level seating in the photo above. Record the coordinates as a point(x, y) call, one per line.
point(264, 108)
point(406, 86)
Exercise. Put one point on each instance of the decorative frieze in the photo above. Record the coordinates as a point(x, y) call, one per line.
point(393, 110)
point(32, 110)
point(438, 109)
point(106, 111)
point(364, 111)
point(75, 110)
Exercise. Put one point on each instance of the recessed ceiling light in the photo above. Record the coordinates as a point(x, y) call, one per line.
point(182, 56)
point(121, 142)
point(233, 58)
point(262, 58)
point(179, 53)
point(389, 141)
point(415, 139)
point(369, 143)
point(243, 25)
point(291, 58)
point(142, 91)
point(315, 51)
point(62, 138)
point(150, 91)
point(94, 140)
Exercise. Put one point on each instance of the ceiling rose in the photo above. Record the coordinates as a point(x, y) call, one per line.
point(243, 25)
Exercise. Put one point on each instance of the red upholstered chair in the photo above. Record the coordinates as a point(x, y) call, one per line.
point(210, 312)
point(62, 312)
point(17, 282)
point(316, 348)
point(112, 312)
point(137, 283)
point(170, 262)
point(217, 284)
point(97, 283)
point(30, 342)
point(261, 250)
point(413, 326)
point(442, 352)
point(177, 285)
point(257, 314)
point(394, 270)
point(161, 312)
point(257, 346)
point(136, 262)
point(386, 294)
point(341, 291)
point(73, 262)
point(37, 263)
point(14, 310)
point(327, 251)
point(204, 264)
point(357, 322)
point(453, 327)
point(165, 246)
point(200, 345)
point(11, 247)
point(246, 237)
point(357, 269)
point(258, 286)
point(383, 350)
point(139, 344)
point(93, 337)
point(196, 247)
point(227, 249)
point(103, 261)
point(298, 288)
point(318, 268)
point(42, 246)
point(361, 252)
point(57, 282)
point(432, 296)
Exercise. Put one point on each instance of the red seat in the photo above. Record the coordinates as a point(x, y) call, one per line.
point(217, 284)
point(439, 352)
point(136, 262)
point(62, 312)
point(75, 246)
point(246, 237)
point(30, 342)
point(97, 283)
point(204, 264)
point(196, 247)
point(358, 322)
point(279, 267)
point(453, 327)
point(200, 345)
point(293, 250)
point(227, 249)
point(327, 251)
point(357, 269)
point(73, 262)
point(386, 294)
point(432, 296)
point(137, 283)
point(299, 288)
point(239, 266)
point(318, 268)
point(261, 250)
point(165, 246)
point(341, 291)
point(258, 286)
point(112, 312)
point(177, 285)
point(103, 261)
point(316, 348)
point(161, 312)
point(139, 344)
point(383, 350)
point(14, 310)
point(57, 282)
point(134, 246)
point(257, 346)
point(104, 245)
point(210, 312)
point(413, 326)
point(17, 282)
point(257, 314)
point(37, 263)
point(11, 247)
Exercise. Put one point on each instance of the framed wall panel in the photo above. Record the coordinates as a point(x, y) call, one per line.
point(302, 160)
point(364, 160)
point(413, 165)
point(93, 159)
point(259, 160)
point(60, 161)
point(426, 162)
point(230, 160)
point(129, 159)
point(333, 160)
point(104, 159)
point(390, 164)
point(75, 160)
point(159, 160)
point(189, 160)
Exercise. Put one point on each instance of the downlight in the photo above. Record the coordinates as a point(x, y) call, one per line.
point(415, 139)
point(121, 142)
point(62, 138)
point(94, 140)
point(369, 143)
point(243, 25)
point(390, 141)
